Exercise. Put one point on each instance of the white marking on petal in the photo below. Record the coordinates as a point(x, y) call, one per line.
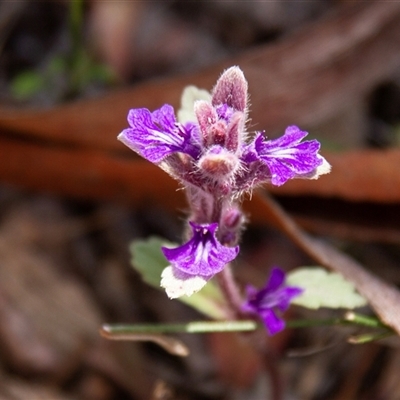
point(323, 169)
point(177, 284)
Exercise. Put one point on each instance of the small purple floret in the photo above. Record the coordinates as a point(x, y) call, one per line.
point(155, 135)
point(203, 254)
point(273, 297)
point(224, 112)
point(286, 157)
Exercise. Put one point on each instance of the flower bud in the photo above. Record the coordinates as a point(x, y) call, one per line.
point(231, 89)
point(235, 131)
point(206, 116)
point(217, 133)
point(218, 163)
point(232, 218)
point(230, 225)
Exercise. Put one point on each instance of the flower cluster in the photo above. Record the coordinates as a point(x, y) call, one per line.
point(272, 298)
point(211, 154)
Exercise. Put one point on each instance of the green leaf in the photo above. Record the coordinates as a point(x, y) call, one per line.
point(324, 289)
point(209, 301)
point(149, 261)
point(26, 84)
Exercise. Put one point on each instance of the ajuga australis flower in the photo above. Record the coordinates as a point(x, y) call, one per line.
point(214, 158)
point(269, 301)
point(202, 257)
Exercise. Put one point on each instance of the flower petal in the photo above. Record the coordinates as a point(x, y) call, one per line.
point(286, 157)
point(250, 305)
point(177, 283)
point(272, 322)
point(276, 279)
point(156, 135)
point(164, 117)
point(274, 296)
point(322, 169)
point(286, 295)
point(203, 254)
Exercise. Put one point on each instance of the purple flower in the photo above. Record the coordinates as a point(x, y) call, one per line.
point(286, 157)
point(203, 255)
point(273, 297)
point(156, 135)
point(214, 160)
point(219, 123)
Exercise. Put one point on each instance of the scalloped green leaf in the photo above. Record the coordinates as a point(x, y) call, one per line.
point(324, 289)
point(149, 261)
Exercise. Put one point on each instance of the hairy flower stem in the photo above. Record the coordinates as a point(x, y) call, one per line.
point(231, 291)
point(217, 210)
